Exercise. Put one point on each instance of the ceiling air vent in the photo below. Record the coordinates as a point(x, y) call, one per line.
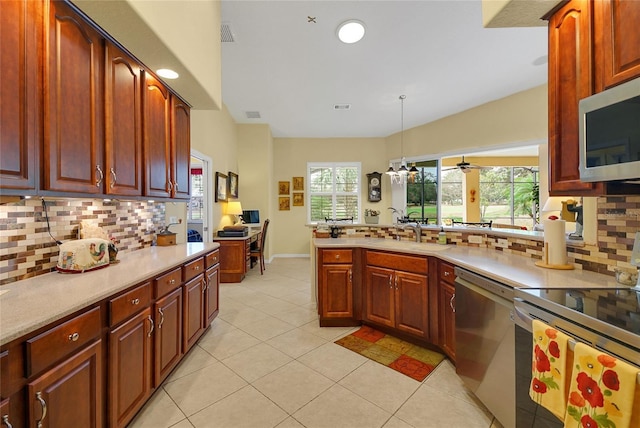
point(253, 114)
point(342, 106)
point(226, 33)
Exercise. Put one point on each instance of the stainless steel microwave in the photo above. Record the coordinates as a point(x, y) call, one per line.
point(610, 134)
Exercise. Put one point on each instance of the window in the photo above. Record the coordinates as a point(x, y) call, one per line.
point(195, 208)
point(422, 193)
point(334, 191)
point(509, 195)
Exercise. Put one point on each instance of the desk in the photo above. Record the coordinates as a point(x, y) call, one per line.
point(235, 260)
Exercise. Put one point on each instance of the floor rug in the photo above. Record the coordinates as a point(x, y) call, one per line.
point(403, 357)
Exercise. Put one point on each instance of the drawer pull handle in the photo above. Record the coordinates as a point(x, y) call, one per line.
point(135, 301)
point(74, 337)
point(173, 281)
point(337, 256)
point(161, 318)
point(451, 304)
point(43, 404)
point(152, 326)
point(447, 273)
point(5, 421)
point(197, 267)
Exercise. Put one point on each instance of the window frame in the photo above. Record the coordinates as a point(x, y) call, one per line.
point(334, 194)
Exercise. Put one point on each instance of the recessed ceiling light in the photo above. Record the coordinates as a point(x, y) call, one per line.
point(351, 31)
point(167, 73)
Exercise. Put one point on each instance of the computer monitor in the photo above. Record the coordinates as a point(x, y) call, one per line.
point(251, 216)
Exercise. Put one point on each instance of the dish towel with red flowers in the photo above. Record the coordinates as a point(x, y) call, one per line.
point(549, 370)
point(602, 390)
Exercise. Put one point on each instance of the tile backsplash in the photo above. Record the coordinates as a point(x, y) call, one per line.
point(27, 249)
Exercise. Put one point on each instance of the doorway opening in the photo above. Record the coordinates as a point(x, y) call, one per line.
point(198, 208)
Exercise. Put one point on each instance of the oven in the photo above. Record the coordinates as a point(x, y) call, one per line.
point(606, 319)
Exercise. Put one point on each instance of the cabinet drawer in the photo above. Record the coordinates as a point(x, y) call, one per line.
point(191, 269)
point(212, 258)
point(337, 256)
point(446, 273)
point(168, 282)
point(397, 261)
point(124, 306)
point(60, 341)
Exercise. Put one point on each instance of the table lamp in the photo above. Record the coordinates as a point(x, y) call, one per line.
point(235, 208)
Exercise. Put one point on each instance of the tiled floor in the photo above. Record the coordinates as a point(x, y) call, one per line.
point(265, 363)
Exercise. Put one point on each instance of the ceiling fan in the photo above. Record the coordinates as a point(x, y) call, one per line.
point(464, 166)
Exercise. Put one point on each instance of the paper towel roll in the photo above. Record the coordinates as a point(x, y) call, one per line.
point(555, 243)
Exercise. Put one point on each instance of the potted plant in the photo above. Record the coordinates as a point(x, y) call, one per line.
point(371, 216)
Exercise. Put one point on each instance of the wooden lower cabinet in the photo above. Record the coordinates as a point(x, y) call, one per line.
point(194, 297)
point(211, 295)
point(168, 335)
point(339, 296)
point(397, 299)
point(447, 309)
point(130, 367)
point(70, 394)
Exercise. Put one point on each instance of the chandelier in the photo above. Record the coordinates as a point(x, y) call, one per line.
point(403, 173)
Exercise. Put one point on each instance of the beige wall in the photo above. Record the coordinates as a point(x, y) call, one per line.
point(214, 134)
point(290, 157)
point(519, 118)
point(255, 163)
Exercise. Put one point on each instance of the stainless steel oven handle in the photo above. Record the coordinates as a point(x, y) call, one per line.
point(523, 319)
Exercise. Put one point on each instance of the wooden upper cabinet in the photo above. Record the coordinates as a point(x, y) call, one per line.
point(20, 93)
point(73, 111)
point(123, 126)
point(156, 102)
point(570, 79)
point(181, 148)
point(617, 49)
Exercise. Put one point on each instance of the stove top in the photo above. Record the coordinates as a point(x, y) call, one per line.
point(615, 307)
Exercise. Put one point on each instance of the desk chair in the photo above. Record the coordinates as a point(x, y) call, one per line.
point(259, 251)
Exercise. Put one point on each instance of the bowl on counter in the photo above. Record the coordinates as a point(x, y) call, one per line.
point(626, 278)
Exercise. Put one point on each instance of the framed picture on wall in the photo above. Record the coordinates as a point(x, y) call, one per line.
point(298, 184)
point(233, 185)
point(283, 203)
point(298, 199)
point(283, 187)
point(221, 187)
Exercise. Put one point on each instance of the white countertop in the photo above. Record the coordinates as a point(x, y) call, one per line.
point(509, 269)
point(32, 303)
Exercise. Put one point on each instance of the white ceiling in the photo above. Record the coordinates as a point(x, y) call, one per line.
point(437, 53)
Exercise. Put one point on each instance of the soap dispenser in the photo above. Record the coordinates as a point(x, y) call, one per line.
point(442, 237)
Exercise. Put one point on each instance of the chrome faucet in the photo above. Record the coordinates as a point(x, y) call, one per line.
point(416, 228)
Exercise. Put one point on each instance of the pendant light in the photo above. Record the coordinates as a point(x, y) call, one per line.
point(400, 176)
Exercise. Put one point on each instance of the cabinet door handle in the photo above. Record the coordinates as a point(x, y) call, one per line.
point(5, 421)
point(74, 337)
point(115, 177)
point(447, 273)
point(161, 318)
point(170, 185)
point(204, 286)
point(99, 181)
point(451, 304)
point(43, 404)
point(151, 327)
point(175, 185)
point(135, 301)
point(390, 284)
point(396, 282)
point(350, 275)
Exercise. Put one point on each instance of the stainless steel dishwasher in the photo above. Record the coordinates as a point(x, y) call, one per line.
point(485, 342)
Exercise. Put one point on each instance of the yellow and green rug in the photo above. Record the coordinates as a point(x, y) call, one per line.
point(404, 357)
